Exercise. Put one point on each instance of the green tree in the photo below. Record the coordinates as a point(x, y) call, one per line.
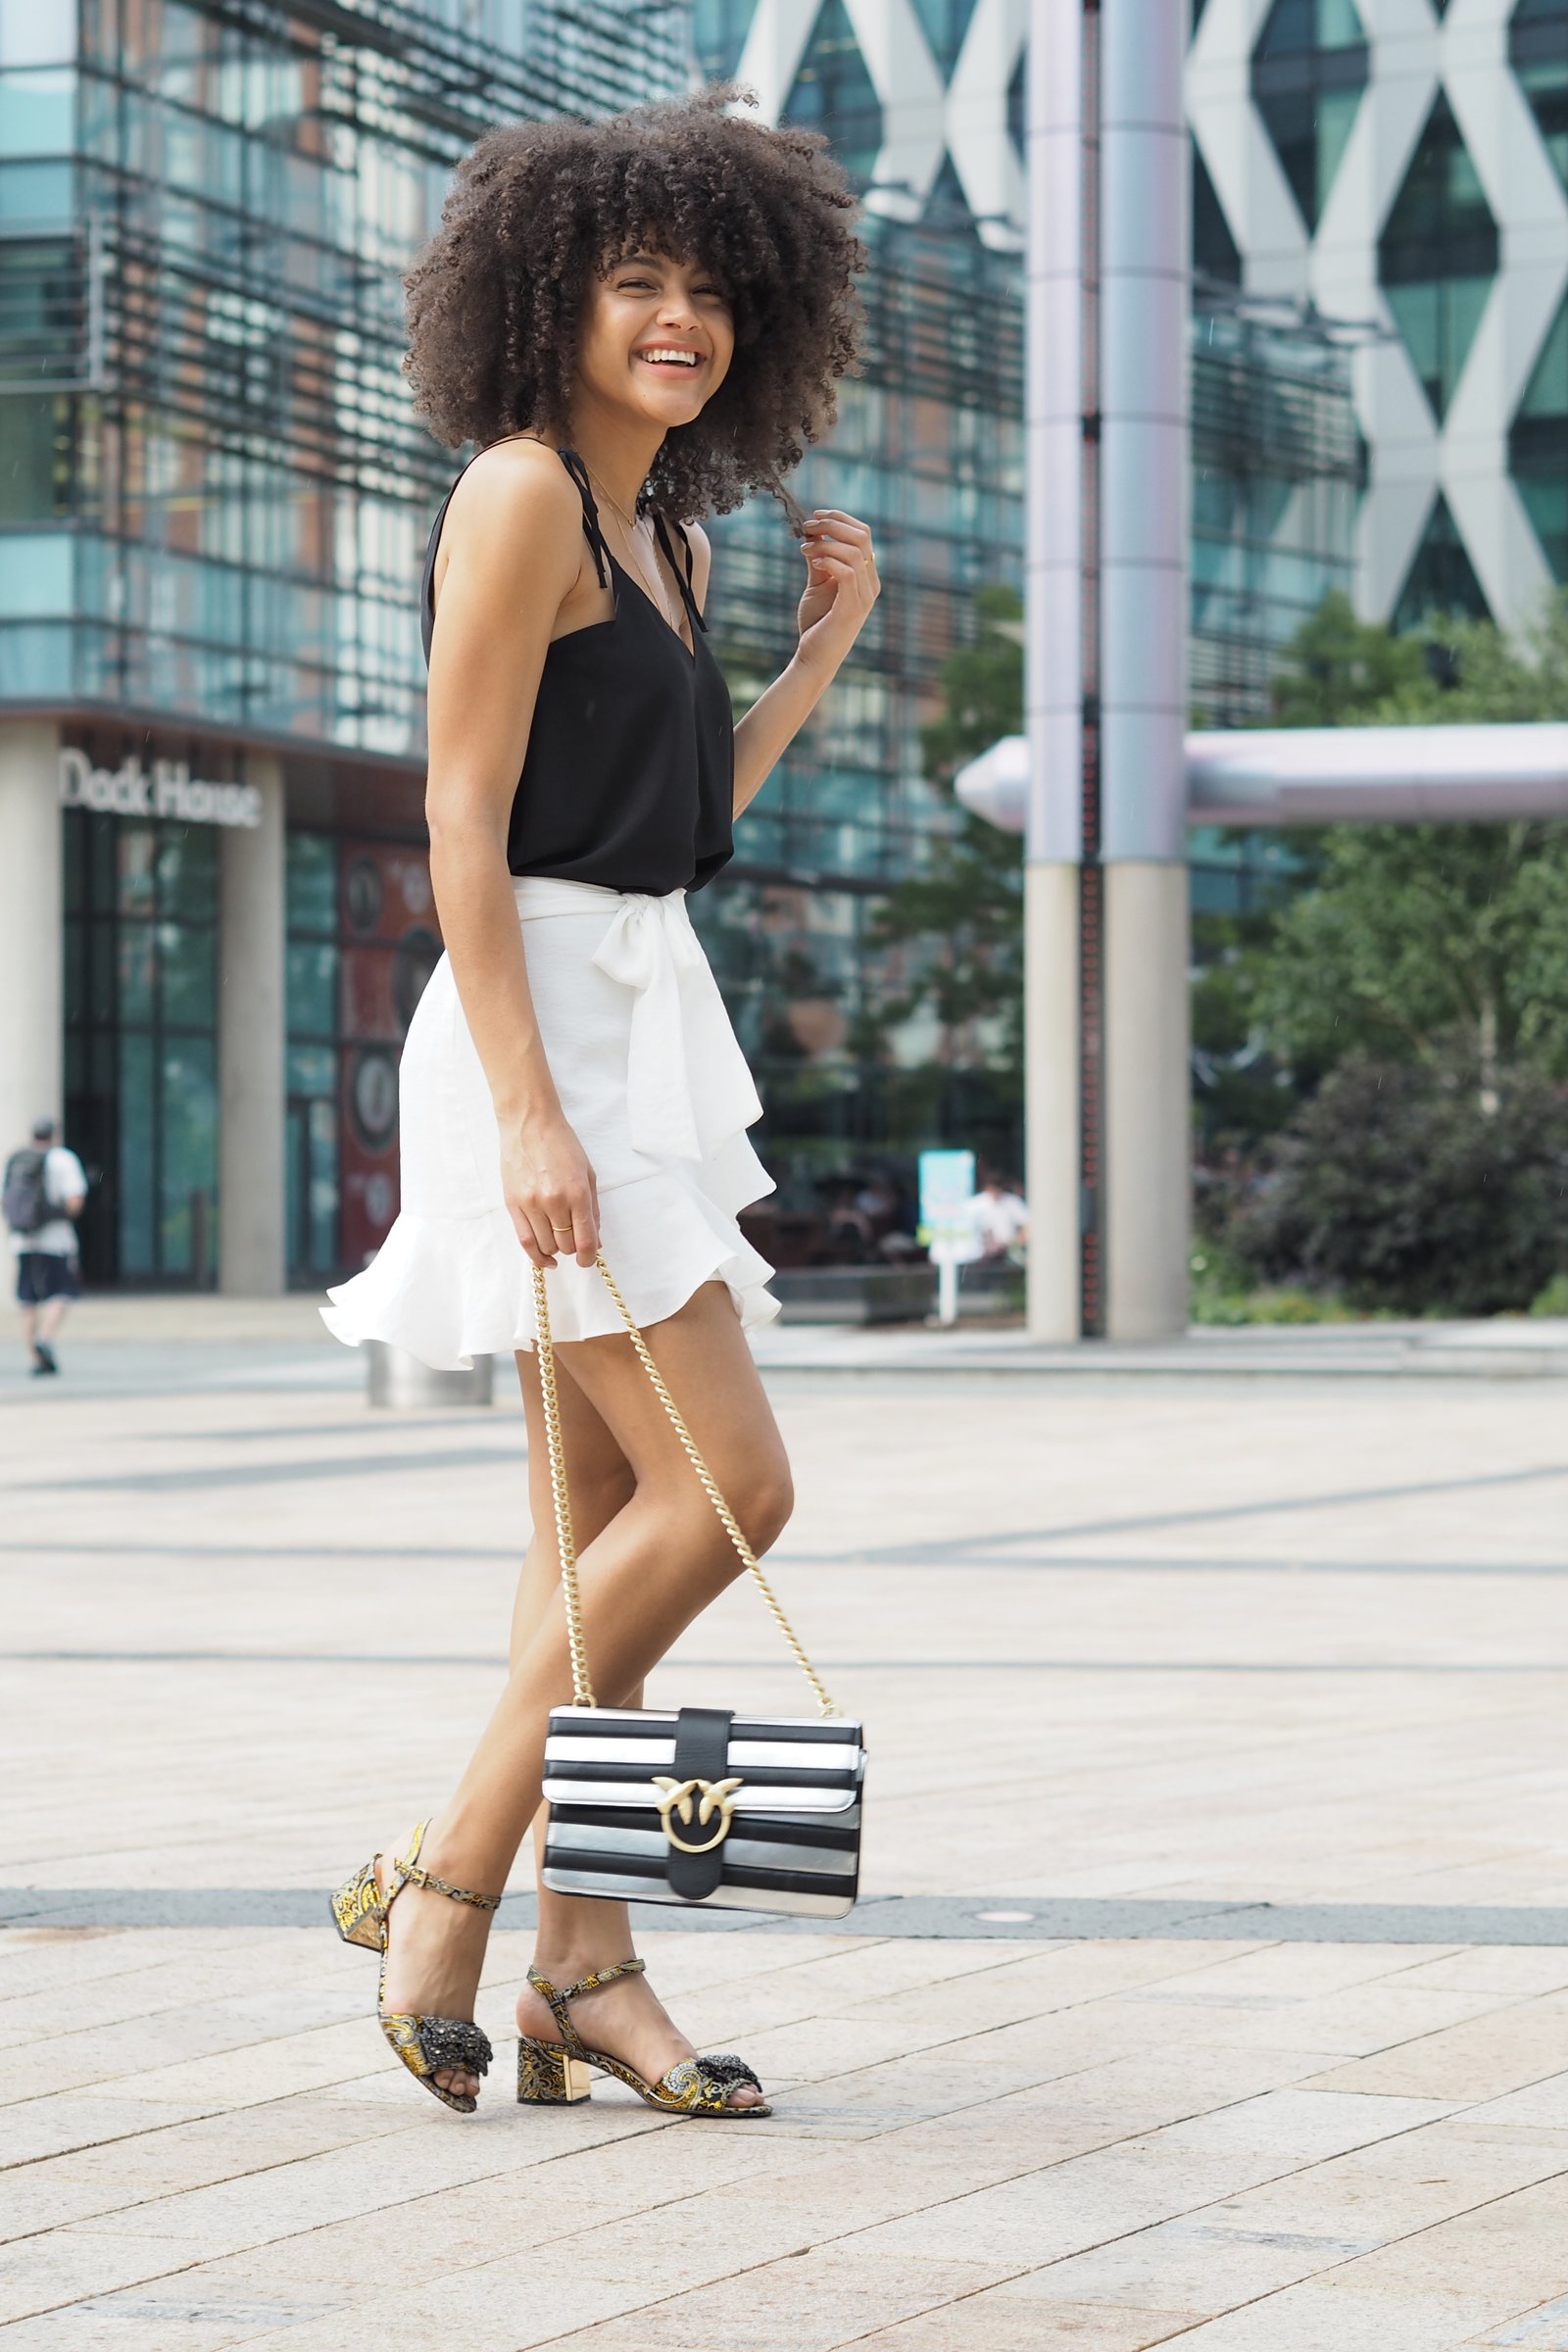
point(1413, 935)
point(1401, 939)
point(961, 918)
point(1339, 671)
point(1417, 935)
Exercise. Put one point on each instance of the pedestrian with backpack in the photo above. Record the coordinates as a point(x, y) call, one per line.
point(45, 1187)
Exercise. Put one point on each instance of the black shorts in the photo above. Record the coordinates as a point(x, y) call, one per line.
point(44, 1274)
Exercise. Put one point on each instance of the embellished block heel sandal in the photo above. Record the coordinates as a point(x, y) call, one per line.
point(552, 2073)
point(427, 2045)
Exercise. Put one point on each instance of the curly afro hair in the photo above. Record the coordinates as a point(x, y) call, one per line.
point(494, 298)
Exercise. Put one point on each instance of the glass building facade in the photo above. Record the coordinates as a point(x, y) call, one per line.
point(214, 503)
point(1438, 215)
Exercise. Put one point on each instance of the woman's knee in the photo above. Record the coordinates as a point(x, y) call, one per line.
point(759, 1496)
point(763, 1501)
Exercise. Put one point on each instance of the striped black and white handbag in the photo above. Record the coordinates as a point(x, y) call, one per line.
point(702, 1805)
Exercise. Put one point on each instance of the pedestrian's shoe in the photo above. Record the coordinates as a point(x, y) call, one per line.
point(553, 2073)
point(427, 2045)
point(43, 1359)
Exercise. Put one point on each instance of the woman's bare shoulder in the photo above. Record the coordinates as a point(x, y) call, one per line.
point(516, 511)
point(519, 475)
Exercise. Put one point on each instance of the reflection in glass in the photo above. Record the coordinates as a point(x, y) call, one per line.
point(311, 986)
point(135, 961)
point(1538, 448)
point(1438, 256)
point(188, 1175)
point(1538, 49)
point(187, 871)
point(186, 964)
point(1443, 578)
point(135, 1088)
point(137, 863)
point(312, 882)
point(834, 92)
point(1310, 69)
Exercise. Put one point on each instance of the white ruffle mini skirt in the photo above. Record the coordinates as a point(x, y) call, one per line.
point(653, 1080)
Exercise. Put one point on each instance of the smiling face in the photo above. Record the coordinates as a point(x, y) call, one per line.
point(656, 337)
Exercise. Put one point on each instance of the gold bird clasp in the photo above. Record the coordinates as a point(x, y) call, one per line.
point(717, 1796)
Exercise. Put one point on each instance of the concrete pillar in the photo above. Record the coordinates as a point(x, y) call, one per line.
point(1052, 1077)
point(251, 1044)
point(1144, 440)
point(1148, 1101)
point(32, 1051)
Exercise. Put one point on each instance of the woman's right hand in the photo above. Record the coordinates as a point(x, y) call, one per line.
point(550, 1192)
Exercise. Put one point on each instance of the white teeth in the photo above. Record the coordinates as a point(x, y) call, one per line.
point(688, 359)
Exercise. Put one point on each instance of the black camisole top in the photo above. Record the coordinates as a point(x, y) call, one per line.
point(628, 778)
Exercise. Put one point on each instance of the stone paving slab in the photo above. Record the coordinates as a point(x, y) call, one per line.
point(1215, 1993)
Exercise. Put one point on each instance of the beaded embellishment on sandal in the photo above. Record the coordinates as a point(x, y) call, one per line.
point(552, 2073)
point(427, 2046)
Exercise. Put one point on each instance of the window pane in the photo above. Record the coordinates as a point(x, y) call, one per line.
point(324, 1185)
point(190, 1176)
point(138, 869)
point(186, 956)
point(187, 872)
point(311, 988)
point(134, 974)
point(312, 882)
point(135, 1088)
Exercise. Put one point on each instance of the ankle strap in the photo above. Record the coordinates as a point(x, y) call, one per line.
point(558, 1996)
point(409, 1874)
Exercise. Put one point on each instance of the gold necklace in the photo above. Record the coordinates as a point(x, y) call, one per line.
point(672, 621)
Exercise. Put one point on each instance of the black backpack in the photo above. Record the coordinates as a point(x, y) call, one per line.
point(26, 1200)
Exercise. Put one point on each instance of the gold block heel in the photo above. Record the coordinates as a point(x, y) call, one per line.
point(549, 2076)
point(427, 2045)
point(551, 2073)
point(358, 1911)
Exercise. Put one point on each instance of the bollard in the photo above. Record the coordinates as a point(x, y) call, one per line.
point(400, 1382)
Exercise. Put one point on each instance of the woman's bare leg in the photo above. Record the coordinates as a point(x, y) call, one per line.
point(645, 1576)
point(579, 1933)
point(601, 1483)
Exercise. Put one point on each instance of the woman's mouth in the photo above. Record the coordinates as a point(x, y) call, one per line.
point(670, 359)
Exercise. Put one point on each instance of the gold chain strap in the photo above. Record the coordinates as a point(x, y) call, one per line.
point(581, 1687)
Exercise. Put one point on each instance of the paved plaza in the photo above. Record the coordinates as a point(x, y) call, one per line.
point(1211, 1980)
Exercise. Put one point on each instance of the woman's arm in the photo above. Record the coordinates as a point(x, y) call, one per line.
point(842, 586)
point(512, 544)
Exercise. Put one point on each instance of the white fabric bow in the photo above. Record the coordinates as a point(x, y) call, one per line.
point(678, 1026)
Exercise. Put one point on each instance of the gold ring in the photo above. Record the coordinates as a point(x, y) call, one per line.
point(561, 1229)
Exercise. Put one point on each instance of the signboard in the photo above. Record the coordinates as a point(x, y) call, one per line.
point(167, 790)
point(947, 1186)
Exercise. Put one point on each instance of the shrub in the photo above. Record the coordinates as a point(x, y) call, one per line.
point(1396, 1186)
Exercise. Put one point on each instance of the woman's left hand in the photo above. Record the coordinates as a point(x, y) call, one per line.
point(841, 586)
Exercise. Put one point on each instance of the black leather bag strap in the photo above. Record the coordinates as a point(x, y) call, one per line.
point(702, 1753)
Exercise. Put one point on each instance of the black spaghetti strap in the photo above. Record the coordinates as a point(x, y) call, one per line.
point(682, 582)
point(590, 511)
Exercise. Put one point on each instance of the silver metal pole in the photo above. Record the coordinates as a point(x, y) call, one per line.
point(1055, 551)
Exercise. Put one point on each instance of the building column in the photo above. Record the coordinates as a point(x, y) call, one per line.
point(32, 1055)
point(1145, 294)
point(1058, 657)
point(1148, 1099)
point(1053, 1138)
point(251, 1046)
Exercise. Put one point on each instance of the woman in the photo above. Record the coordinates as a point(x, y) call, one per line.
point(634, 319)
